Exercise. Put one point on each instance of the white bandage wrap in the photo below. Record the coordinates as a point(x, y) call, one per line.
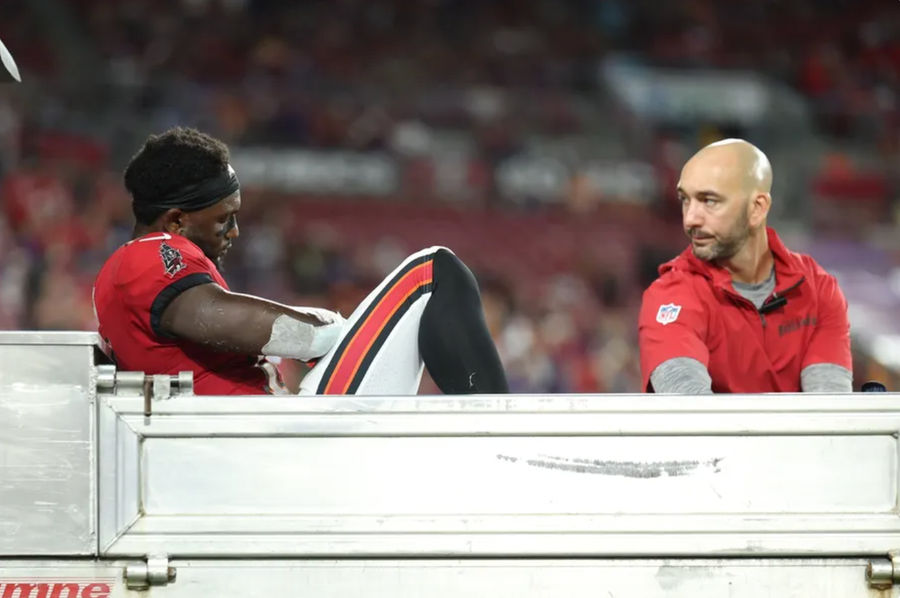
point(326, 316)
point(298, 340)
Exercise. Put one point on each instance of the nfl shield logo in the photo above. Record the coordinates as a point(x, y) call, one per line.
point(668, 313)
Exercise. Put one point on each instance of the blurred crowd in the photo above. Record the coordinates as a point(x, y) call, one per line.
point(561, 283)
point(347, 73)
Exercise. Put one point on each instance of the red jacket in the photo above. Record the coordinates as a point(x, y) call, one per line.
point(132, 290)
point(692, 310)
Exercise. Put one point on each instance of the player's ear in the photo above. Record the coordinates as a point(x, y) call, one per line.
point(173, 221)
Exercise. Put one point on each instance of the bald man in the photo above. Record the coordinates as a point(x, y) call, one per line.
point(737, 312)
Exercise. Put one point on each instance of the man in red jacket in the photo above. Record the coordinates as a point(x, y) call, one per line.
point(737, 312)
point(164, 307)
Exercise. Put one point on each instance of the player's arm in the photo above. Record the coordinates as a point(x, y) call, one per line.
point(671, 329)
point(827, 363)
point(224, 321)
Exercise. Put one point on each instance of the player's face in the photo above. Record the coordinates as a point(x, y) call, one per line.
point(714, 209)
point(214, 228)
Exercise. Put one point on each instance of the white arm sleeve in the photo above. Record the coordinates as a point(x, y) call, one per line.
point(298, 340)
point(326, 316)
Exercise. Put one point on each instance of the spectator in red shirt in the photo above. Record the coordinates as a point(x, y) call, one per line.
point(164, 307)
point(737, 312)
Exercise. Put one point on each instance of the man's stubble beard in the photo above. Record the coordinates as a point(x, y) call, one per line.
point(727, 247)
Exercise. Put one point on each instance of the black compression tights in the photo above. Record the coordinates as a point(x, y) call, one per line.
point(453, 338)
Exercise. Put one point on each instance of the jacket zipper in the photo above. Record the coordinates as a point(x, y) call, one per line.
point(774, 297)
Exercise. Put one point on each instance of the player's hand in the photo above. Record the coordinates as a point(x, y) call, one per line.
point(325, 316)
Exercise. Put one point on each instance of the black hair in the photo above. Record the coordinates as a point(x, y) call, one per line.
point(167, 162)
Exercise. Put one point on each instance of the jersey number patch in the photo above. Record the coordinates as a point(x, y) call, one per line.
point(668, 313)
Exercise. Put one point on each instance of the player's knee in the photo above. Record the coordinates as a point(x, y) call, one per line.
point(436, 248)
point(450, 271)
point(424, 254)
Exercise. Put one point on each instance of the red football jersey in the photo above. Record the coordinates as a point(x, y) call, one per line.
point(132, 291)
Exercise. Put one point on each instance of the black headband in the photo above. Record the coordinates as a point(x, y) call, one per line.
point(199, 195)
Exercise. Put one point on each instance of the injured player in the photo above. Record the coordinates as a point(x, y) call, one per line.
point(164, 307)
